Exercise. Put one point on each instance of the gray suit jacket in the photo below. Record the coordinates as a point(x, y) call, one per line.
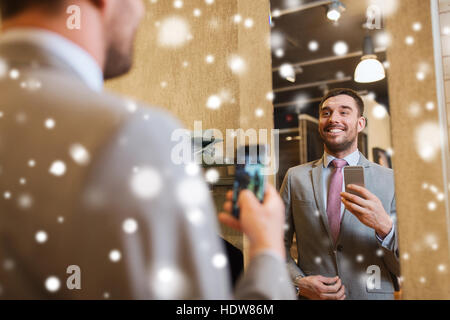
point(357, 257)
point(118, 175)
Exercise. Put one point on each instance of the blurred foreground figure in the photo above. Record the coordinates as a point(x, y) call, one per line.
point(92, 205)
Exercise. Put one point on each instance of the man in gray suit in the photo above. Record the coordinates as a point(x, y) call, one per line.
point(91, 204)
point(347, 245)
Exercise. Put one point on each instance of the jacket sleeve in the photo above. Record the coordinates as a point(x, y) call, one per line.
point(294, 269)
point(390, 246)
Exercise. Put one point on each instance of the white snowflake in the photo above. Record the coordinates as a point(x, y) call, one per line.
point(8, 264)
point(237, 18)
point(79, 154)
point(25, 201)
point(248, 23)
point(31, 163)
point(409, 40)
point(196, 217)
point(259, 112)
point(58, 168)
point(212, 176)
point(191, 193)
point(115, 255)
point(14, 74)
point(214, 102)
point(236, 64)
point(197, 12)
point(313, 46)
point(146, 183)
point(174, 32)
point(168, 283)
point(427, 139)
point(178, 4)
point(219, 261)
point(432, 206)
point(52, 284)
point(31, 84)
point(209, 59)
point(130, 226)
point(340, 48)
point(41, 236)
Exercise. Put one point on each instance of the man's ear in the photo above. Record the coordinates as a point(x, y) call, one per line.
point(362, 122)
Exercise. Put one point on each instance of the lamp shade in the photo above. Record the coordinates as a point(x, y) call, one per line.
point(369, 70)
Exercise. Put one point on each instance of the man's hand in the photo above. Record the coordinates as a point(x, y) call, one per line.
point(368, 209)
point(321, 288)
point(262, 223)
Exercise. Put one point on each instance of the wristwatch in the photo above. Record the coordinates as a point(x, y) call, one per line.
point(296, 279)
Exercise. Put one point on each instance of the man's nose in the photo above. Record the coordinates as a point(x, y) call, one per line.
point(334, 117)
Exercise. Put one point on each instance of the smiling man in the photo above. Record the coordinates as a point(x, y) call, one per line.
point(347, 245)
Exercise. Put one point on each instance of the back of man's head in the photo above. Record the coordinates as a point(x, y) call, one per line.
point(107, 29)
point(11, 8)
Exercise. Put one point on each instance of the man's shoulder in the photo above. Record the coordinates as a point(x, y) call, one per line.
point(380, 170)
point(69, 95)
point(303, 168)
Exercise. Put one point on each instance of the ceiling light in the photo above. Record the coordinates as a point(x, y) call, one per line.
point(335, 10)
point(370, 69)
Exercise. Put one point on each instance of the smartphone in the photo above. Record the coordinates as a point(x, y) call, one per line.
point(249, 173)
point(354, 175)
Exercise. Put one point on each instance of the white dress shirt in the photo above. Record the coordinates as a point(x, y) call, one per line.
point(76, 57)
point(352, 160)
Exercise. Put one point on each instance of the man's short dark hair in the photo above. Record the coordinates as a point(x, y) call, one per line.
point(10, 8)
point(344, 91)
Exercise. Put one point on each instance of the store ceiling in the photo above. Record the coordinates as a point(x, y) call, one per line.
point(297, 30)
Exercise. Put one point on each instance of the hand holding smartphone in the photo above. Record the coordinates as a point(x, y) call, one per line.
point(249, 173)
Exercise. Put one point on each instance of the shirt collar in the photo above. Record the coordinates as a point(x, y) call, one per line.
point(352, 159)
point(73, 55)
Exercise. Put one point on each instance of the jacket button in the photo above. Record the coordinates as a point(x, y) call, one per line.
point(340, 248)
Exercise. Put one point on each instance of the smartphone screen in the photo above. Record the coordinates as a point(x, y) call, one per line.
point(249, 173)
point(354, 175)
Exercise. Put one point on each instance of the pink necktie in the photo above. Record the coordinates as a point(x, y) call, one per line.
point(334, 198)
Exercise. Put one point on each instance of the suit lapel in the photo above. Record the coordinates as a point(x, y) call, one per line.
point(363, 161)
point(316, 173)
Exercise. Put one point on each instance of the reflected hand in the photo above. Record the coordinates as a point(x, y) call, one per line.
point(368, 209)
point(321, 288)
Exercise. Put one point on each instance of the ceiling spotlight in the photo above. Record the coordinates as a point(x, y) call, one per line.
point(335, 10)
point(370, 69)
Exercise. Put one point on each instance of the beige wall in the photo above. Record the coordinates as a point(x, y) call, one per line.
point(422, 213)
point(188, 88)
